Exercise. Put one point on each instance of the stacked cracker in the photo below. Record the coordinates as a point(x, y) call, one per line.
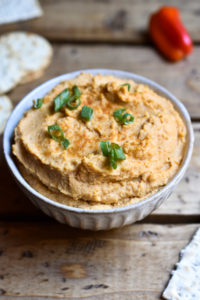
point(23, 58)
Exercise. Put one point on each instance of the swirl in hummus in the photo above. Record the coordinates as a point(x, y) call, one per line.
point(81, 176)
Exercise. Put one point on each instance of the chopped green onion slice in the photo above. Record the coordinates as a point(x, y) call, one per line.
point(73, 103)
point(113, 163)
point(105, 147)
point(76, 91)
point(112, 159)
point(118, 113)
point(122, 117)
point(57, 134)
point(86, 113)
point(64, 98)
point(38, 103)
point(61, 100)
point(118, 152)
point(74, 100)
point(113, 151)
point(128, 85)
point(65, 143)
point(127, 119)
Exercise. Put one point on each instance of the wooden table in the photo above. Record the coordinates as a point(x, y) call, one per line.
point(40, 258)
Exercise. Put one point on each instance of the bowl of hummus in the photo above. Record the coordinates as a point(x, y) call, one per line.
point(98, 149)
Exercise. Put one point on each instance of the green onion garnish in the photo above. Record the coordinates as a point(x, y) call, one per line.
point(113, 151)
point(86, 113)
point(64, 98)
point(65, 143)
point(105, 147)
point(118, 151)
point(61, 100)
point(127, 119)
point(73, 103)
point(57, 134)
point(38, 103)
point(74, 100)
point(128, 85)
point(76, 91)
point(122, 117)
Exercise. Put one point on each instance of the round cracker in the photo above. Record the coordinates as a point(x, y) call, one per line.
point(5, 110)
point(11, 71)
point(33, 51)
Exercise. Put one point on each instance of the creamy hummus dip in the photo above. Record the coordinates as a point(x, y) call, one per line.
point(74, 164)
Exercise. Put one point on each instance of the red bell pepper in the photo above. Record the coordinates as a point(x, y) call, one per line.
point(169, 34)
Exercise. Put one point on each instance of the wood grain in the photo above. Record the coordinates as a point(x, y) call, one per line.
point(182, 78)
point(47, 259)
point(183, 204)
point(104, 20)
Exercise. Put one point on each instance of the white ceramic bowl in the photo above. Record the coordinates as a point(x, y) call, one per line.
point(90, 218)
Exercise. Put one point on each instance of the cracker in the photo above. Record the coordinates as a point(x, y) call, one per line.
point(18, 10)
point(185, 281)
point(11, 71)
point(33, 51)
point(5, 110)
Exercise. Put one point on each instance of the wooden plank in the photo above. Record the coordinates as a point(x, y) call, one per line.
point(100, 20)
point(52, 260)
point(184, 201)
point(182, 78)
